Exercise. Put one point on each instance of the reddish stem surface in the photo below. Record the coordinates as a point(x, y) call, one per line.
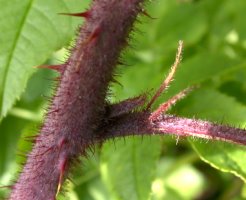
point(79, 104)
point(140, 123)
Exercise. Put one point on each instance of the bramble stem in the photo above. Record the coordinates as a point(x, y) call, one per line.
point(79, 103)
point(139, 123)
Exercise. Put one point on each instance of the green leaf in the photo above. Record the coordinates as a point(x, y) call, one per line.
point(128, 167)
point(244, 191)
point(180, 24)
point(10, 129)
point(31, 31)
point(213, 105)
point(201, 67)
point(190, 182)
point(8, 140)
point(230, 17)
point(174, 22)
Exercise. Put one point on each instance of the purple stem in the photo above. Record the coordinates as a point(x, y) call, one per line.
point(139, 123)
point(79, 103)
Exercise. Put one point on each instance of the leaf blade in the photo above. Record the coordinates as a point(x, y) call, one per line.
point(33, 31)
point(129, 177)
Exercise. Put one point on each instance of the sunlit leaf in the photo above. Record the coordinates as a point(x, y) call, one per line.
point(128, 167)
point(31, 31)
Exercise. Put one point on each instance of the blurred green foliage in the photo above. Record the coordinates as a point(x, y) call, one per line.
point(147, 168)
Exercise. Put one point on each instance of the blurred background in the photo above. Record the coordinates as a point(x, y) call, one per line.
point(155, 167)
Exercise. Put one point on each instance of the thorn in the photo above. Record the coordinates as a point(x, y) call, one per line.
point(58, 68)
point(60, 144)
point(85, 14)
point(170, 76)
point(7, 186)
point(62, 167)
point(53, 111)
point(146, 14)
point(91, 37)
point(94, 34)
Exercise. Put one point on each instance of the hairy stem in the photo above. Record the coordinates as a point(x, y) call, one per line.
point(79, 116)
point(140, 123)
point(79, 104)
